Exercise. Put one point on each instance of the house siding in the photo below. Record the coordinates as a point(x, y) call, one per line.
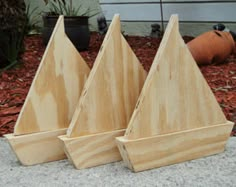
point(188, 11)
point(195, 16)
point(138, 15)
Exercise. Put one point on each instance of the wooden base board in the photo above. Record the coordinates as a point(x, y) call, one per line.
point(39, 147)
point(162, 150)
point(92, 150)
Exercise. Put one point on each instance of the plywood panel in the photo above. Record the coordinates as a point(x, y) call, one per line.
point(161, 150)
point(175, 96)
point(93, 150)
point(112, 89)
point(56, 87)
point(38, 148)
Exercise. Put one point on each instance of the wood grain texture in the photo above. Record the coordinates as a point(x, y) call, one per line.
point(37, 148)
point(162, 150)
point(56, 87)
point(175, 96)
point(92, 150)
point(112, 88)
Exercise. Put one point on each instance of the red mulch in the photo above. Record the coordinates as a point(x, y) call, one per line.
point(15, 83)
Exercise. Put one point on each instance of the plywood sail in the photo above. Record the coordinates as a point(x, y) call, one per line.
point(112, 89)
point(56, 87)
point(175, 96)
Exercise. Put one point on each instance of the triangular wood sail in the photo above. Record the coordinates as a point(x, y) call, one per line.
point(112, 88)
point(56, 87)
point(175, 96)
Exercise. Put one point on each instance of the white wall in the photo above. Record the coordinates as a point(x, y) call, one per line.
point(196, 16)
point(146, 10)
point(138, 15)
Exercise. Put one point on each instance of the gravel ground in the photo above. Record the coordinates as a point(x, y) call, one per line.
point(216, 171)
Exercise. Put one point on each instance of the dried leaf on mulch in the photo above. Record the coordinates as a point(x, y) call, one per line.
point(15, 83)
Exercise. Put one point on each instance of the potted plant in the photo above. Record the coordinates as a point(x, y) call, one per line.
point(75, 19)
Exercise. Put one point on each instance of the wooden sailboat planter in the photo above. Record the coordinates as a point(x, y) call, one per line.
point(106, 103)
point(51, 101)
point(177, 117)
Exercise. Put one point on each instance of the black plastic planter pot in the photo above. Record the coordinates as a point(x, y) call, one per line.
point(76, 28)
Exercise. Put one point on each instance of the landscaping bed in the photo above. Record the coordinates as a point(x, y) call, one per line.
point(15, 83)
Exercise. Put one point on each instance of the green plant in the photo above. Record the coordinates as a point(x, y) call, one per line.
point(13, 43)
point(63, 7)
point(12, 31)
point(32, 21)
point(12, 15)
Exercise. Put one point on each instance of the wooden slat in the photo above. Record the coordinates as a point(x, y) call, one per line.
point(112, 88)
point(38, 148)
point(175, 96)
point(161, 150)
point(56, 87)
point(92, 150)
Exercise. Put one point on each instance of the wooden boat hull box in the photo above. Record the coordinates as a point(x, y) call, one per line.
point(37, 148)
point(92, 150)
point(162, 150)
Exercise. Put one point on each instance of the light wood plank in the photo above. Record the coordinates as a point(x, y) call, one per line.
point(56, 87)
point(112, 88)
point(162, 150)
point(92, 150)
point(175, 96)
point(37, 148)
